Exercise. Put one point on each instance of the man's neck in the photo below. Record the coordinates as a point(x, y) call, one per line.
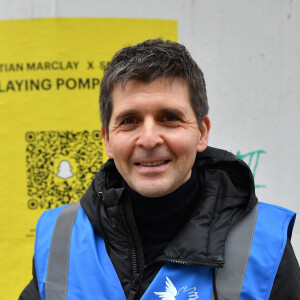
point(160, 219)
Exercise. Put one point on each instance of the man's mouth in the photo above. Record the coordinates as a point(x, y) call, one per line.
point(153, 164)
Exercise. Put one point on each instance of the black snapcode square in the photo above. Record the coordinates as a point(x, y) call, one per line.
point(60, 165)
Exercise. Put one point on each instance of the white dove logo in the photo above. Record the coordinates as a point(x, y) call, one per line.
point(171, 291)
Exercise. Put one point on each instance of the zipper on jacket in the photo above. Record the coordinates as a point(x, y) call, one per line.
point(135, 244)
point(134, 288)
point(183, 262)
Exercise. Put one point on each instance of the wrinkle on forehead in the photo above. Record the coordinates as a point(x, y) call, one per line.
point(159, 96)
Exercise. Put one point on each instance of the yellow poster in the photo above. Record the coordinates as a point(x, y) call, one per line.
point(51, 146)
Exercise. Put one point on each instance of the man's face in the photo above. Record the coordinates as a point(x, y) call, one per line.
point(154, 135)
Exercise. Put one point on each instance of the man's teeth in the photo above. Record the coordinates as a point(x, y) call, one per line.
point(153, 164)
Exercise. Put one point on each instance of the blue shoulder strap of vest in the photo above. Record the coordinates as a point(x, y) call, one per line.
point(253, 252)
point(44, 231)
point(273, 226)
point(75, 265)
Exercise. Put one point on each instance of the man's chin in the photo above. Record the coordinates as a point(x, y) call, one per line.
point(152, 190)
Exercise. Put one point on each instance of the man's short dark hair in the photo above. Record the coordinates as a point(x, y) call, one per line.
point(146, 62)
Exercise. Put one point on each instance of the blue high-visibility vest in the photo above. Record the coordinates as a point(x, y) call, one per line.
point(72, 263)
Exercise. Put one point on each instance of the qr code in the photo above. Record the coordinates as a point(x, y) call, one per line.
point(61, 166)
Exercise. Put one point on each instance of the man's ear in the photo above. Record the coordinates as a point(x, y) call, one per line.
point(204, 132)
point(107, 143)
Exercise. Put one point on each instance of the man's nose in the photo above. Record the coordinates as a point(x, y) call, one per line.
point(149, 135)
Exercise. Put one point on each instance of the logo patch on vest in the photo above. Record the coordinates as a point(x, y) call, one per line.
point(171, 292)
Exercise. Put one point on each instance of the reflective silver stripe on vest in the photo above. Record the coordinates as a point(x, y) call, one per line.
point(229, 280)
point(58, 262)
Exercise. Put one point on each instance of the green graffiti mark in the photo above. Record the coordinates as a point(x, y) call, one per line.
point(252, 160)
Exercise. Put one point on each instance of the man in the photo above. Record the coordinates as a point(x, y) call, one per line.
point(166, 217)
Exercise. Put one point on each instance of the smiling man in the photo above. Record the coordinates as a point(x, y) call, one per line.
point(166, 217)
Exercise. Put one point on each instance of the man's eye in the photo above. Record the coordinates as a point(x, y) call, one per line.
point(129, 121)
point(170, 118)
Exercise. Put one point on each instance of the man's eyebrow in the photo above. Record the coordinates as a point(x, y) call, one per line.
point(172, 111)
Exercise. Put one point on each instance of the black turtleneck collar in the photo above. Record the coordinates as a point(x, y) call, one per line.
point(159, 219)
